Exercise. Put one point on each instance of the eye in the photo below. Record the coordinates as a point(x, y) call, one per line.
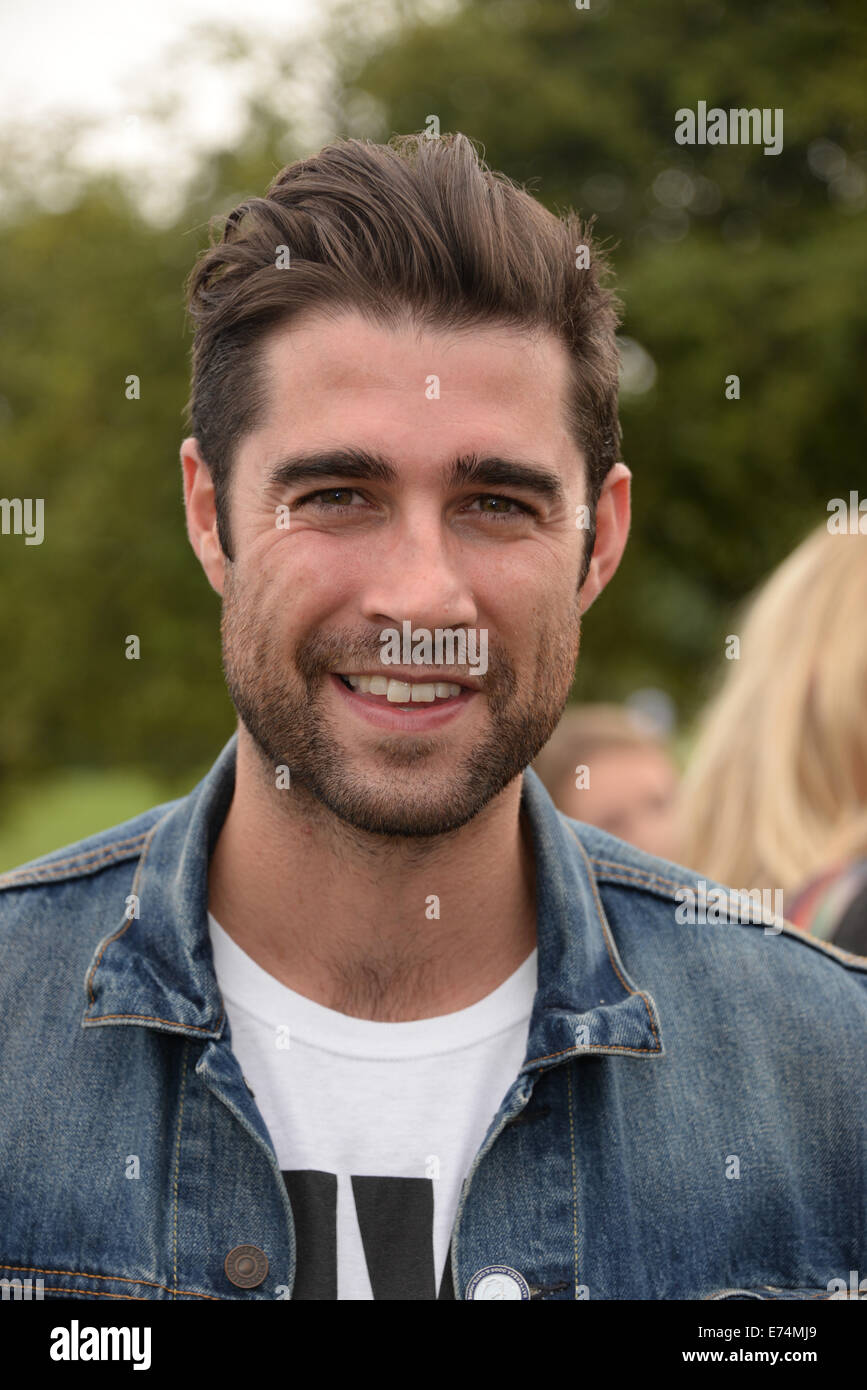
point(520, 511)
point(324, 500)
point(492, 505)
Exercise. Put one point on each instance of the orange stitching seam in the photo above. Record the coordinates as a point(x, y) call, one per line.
point(47, 870)
point(135, 883)
point(805, 1297)
point(574, 1176)
point(152, 1018)
point(602, 923)
point(98, 1293)
point(794, 932)
point(119, 1278)
point(633, 869)
point(177, 1165)
point(594, 1047)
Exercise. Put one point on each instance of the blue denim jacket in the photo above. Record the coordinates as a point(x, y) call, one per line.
point(689, 1121)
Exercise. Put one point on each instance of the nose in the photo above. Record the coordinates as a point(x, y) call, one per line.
point(416, 572)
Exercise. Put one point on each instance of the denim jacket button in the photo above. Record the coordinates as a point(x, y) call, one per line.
point(246, 1266)
point(498, 1282)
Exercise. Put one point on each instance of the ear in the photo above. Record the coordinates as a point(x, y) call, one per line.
point(612, 528)
point(202, 513)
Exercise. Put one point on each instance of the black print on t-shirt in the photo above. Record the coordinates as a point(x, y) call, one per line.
point(395, 1217)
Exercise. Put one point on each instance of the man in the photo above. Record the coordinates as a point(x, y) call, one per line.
point(364, 1015)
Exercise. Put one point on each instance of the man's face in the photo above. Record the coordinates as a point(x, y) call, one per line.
point(305, 604)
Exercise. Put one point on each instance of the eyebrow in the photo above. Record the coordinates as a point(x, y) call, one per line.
point(466, 469)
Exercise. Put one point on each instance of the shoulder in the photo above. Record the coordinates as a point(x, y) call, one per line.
point(82, 862)
point(639, 890)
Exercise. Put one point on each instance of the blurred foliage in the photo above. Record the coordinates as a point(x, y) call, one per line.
point(728, 260)
point(74, 804)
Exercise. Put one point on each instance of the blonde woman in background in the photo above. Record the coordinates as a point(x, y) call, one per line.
point(775, 794)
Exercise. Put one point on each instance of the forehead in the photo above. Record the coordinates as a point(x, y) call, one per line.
point(345, 376)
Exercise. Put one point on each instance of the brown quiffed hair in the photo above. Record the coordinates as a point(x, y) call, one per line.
point(420, 226)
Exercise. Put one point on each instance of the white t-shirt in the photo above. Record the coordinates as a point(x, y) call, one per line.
point(375, 1125)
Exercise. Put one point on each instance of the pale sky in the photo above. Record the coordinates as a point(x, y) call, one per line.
point(109, 58)
point(83, 54)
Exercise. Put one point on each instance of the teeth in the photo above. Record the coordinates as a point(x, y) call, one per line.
point(402, 692)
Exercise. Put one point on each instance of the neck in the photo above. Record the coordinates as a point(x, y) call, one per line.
point(384, 929)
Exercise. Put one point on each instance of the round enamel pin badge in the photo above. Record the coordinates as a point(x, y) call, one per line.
point(496, 1282)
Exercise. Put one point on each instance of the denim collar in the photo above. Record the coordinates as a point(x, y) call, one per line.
point(156, 970)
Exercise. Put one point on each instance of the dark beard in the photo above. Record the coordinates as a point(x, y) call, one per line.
point(281, 710)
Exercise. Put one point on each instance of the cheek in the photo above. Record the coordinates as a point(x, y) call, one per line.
point(298, 577)
point(540, 587)
point(517, 604)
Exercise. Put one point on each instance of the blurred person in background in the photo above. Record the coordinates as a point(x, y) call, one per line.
point(775, 794)
point(608, 765)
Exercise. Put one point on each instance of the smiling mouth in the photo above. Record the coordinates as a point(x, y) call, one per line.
point(404, 694)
